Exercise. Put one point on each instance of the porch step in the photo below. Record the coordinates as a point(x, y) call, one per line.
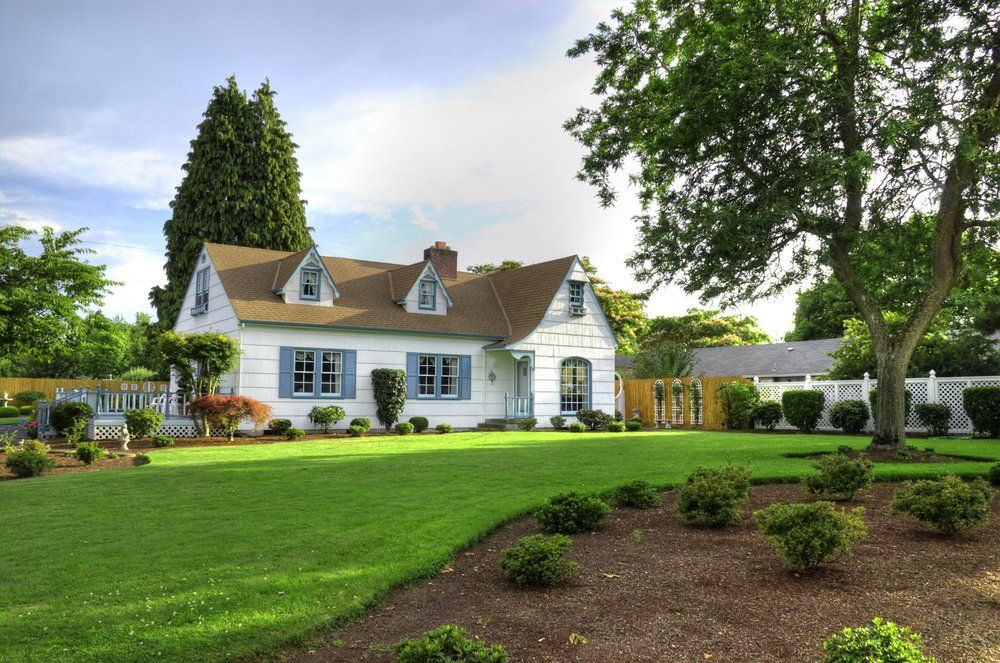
point(498, 424)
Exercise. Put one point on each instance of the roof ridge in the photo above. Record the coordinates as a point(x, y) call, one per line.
point(503, 309)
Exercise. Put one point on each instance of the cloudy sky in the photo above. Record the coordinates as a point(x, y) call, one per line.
point(416, 121)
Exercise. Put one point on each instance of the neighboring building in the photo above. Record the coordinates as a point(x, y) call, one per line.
point(771, 362)
point(526, 342)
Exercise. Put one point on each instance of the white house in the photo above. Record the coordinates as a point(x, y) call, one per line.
point(527, 342)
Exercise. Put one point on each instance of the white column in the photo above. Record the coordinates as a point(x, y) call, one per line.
point(866, 390)
point(932, 387)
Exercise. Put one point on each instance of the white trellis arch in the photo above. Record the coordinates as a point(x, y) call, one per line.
point(677, 402)
point(696, 402)
point(659, 403)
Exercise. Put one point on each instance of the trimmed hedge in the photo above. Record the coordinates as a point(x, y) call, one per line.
point(326, 416)
point(143, 423)
point(420, 424)
point(29, 463)
point(356, 431)
point(9, 411)
point(160, 441)
point(767, 414)
point(571, 513)
point(404, 428)
point(850, 416)
point(934, 417)
point(295, 434)
point(527, 424)
point(577, 427)
point(879, 641)
point(280, 426)
point(636, 495)
point(537, 561)
point(616, 427)
point(444, 428)
point(29, 397)
point(389, 390)
point(713, 496)
point(948, 504)
point(803, 408)
point(594, 419)
point(362, 422)
point(982, 404)
point(558, 422)
point(808, 535)
point(839, 475)
point(66, 415)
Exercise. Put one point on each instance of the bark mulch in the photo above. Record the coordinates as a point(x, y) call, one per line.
point(69, 465)
point(690, 594)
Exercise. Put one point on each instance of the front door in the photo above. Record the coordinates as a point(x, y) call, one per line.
point(522, 387)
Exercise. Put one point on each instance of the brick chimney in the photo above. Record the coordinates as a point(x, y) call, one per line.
point(445, 260)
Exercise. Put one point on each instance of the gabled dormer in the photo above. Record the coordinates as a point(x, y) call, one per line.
point(419, 288)
point(302, 278)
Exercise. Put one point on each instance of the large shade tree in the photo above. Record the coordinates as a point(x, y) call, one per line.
point(773, 139)
point(704, 328)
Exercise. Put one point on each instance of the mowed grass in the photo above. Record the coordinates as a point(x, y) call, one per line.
point(214, 553)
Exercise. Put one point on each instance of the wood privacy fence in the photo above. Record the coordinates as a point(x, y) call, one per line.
point(48, 386)
point(681, 405)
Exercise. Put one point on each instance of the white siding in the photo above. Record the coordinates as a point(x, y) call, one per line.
point(412, 301)
point(293, 289)
point(502, 364)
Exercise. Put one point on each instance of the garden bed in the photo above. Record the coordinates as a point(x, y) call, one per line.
point(688, 594)
point(912, 455)
point(146, 444)
point(70, 465)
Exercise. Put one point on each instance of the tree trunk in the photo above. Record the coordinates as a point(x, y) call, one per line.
point(890, 415)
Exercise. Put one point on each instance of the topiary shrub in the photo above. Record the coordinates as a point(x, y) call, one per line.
point(982, 404)
point(713, 496)
point(570, 513)
point(65, 415)
point(295, 434)
point(29, 463)
point(9, 411)
point(558, 422)
point(527, 424)
point(993, 475)
point(389, 389)
point(767, 414)
point(279, 426)
point(738, 401)
point(803, 408)
point(636, 495)
point(26, 410)
point(616, 427)
point(420, 424)
point(356, 431)
point(594, 419)
point(850, 416)
point(404, 428)
point(363, 422)
point(948, 505)
point(633, 425)
point(228, 412)
point(326, 416)
point(444, 428)
point(143, 423)
point(808, 535)
point(907, 401)
point(448, 643)
point(577, 427)
point(88, 452)
point(880, 641)
point(839, 475)
point(160, 441)
point(29, 397)
point(934, 417)
point(537, 561)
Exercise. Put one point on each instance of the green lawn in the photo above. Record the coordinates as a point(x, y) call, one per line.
point(4, 421)
point(215, 552)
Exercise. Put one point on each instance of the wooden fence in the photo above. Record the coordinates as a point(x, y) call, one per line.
point(48, 386)
point(640, 394)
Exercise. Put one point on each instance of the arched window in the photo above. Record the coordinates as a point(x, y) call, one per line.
point(677, 403)
point(696, 406)
point(574, 393)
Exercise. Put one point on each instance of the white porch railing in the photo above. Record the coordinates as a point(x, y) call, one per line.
point(170, 404)
point(518, 407)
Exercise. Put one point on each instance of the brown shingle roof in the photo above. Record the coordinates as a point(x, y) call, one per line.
point(505, 306)
point(401, 280)
point(287, 266)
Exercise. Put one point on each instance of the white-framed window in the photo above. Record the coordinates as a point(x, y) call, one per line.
point(576, 298)
point(201, 280)
point(309, 284)
point(449, 377)
point(427, 375)
point(331, 373)
point(304, 373)
point(574, 392)
point(426, 295)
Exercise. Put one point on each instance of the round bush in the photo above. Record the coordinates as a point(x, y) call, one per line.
point(143, 423)
point(713, 496)
point(66, 415)
point(839, 475)
point(279, 426)
point(594, 419)
point(26, 410)
point(527, 424)
point(88, 452)
point(633, 425)
point(295, 434)
point(934, 417)
point(404, 428)
point(767, 414)
point(982, 404)
point(29, 397)
point(9, 411)
point(362, 422)
point(326, 416)
point(29, 463)
point(444, 428)
point(160, 441)
point(948, 504)
point(636, 495)
point(571, 513)
point(537, 561)
point(577, 427)
point(993, 476)
point(803, 408)
point(850, 416)
point(356, 431)
point(558, 422)
point(448, 643)
point(808, 535)
point(879, 641)
point(420, 424)
point(616, 427)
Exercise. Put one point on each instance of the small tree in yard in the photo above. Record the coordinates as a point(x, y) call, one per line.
point(389, 387)
point(326, 416)
point(228, 412)
point(199, 361)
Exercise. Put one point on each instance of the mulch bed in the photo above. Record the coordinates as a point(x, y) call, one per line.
point(888, 456)
point(73, 466)
point(691, 594)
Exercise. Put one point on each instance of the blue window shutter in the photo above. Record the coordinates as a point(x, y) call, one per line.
point(285, 373)
point(411, 374)
point(465, 377)
point(350, 359)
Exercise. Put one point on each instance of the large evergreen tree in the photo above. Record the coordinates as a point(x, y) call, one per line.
point(240, 186)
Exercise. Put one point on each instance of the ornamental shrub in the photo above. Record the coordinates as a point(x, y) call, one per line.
point(356, 431)
point(448, 643)
point(294, 434)
point(64, 415)
point(713, 496)
point(36, 445)
point(839, 475)
point(363, 422)
point(228, 412)
point(160, 441)
point(420, 424)
point(738, 401)
point(570, 513)
point(636, 495)
point(537, 561)
point(803, 408)
point(808, 535)
point(616, 427)
point(527, 424)
point(982, 404)
point(558, 422)
point(907, 401)
point(88, 452)
point(143, 423)
point(404, 428)
point(279, 426)
point(850, 416)
point(594, 419)
point(767, 414)
point(993, 475)
point(29, 397)
point(633, 425)
point(29, 463)
point(947, 505)
point(934, 417)
point(9, 411)
point(879, 641)
point(389, 387)
point(75, 432)
point(577, 427)
point(138, 374)
point(326, 416)
point(26, 410)
point(444, 428)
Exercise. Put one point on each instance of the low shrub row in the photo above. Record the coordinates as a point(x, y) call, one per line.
point(327, 416)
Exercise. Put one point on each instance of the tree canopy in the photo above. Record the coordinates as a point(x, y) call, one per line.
point(702, 328)
point(490, 268)
point(240, 186)
point(660, 360)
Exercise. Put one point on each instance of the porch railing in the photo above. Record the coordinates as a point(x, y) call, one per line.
point(170, 404)
point(518, 407)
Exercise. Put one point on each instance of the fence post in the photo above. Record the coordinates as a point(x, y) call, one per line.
point(809, 382)
point(932, 387)
point(866, 390)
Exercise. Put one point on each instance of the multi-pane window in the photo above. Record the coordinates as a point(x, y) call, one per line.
point(576, 297)
point(304, 372)
point(331, 373)
point(427, 375)
point(309, 282)
point(201, 290)
point(426, 295)
point(574, 386)
point(449, 376)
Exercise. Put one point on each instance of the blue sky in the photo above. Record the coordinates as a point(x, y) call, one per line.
point(416, 121)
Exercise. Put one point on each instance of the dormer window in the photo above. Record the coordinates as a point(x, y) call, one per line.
point(201, 280)
point(427, 296)
point(309, 284)
point(576, 306)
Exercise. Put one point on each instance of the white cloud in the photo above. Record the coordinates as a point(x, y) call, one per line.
point(25, 220)
point(137, 271)
point(420, 219)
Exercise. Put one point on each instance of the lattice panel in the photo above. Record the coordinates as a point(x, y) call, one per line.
point(115, 432)
point(918, 392)
point(950, 394)
point(677, 402)
point(697, 402)
point(829, 398)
